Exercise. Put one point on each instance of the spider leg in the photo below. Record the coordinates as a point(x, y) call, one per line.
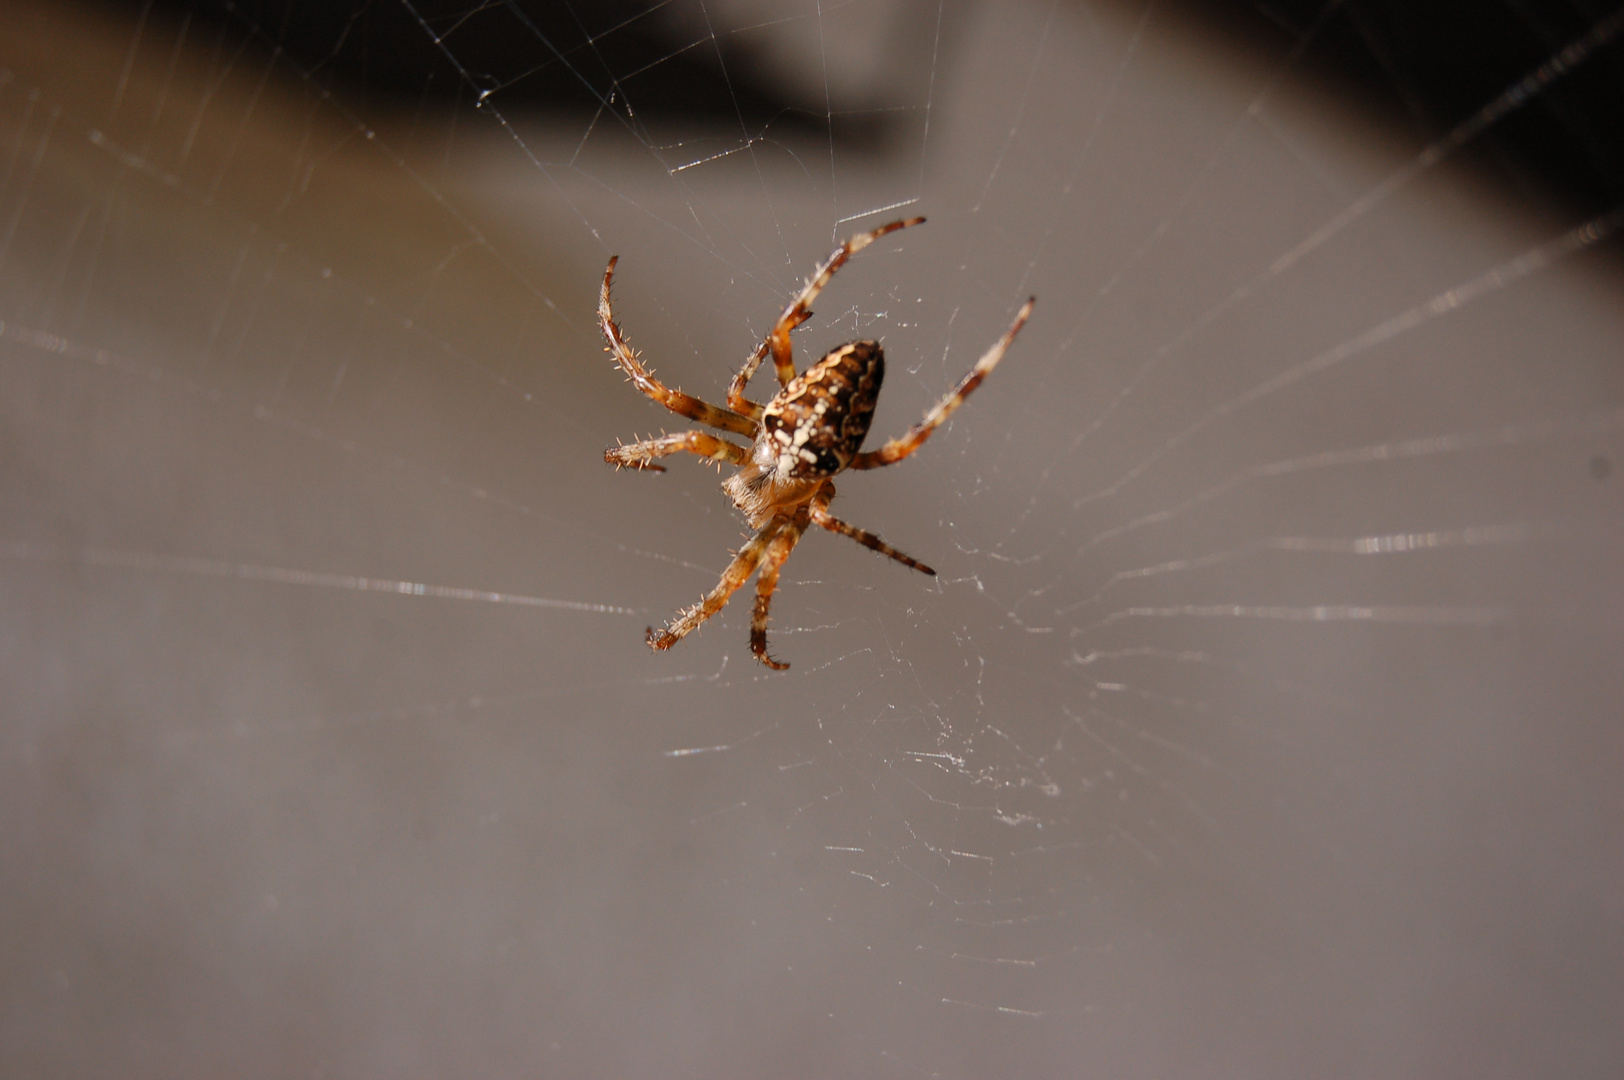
point(737, 572)
point(895, 450)
point(767, 582)
point(821, 515)
point(675, 400)
point(641, 455)
point(799, 310)
point(735, 390)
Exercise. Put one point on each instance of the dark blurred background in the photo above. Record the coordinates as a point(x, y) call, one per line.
point(1428, 66)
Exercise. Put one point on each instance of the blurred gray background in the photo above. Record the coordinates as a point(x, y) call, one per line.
point(1264, 719)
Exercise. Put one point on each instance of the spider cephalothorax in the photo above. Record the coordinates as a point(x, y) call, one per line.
point(812, 430)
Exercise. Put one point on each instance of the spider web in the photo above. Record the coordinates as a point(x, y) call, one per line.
point(1261, 721)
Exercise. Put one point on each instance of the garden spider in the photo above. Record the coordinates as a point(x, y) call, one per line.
point(809, 432)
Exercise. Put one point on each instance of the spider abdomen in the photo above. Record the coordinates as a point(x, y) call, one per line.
point(816, 424)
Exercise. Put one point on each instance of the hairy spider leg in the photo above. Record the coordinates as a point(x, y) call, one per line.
point(777, 340)
point(767, 581)
point(736, 574)
point(895, 450)
point(641, 455)
point(821, 516)
point(683, 404)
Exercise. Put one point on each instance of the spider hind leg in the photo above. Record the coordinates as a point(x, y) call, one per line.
point(777, 342)
point(895, 450)
point(626, 357)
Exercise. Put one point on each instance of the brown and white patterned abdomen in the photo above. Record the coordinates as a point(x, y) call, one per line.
point(816, 424)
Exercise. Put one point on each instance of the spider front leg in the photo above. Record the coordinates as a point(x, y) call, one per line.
point(777, 340)
point(896, 449)
point(675, 400)
point(821, 516)
point(767, 582)
point(736, 574)
point(641, 455)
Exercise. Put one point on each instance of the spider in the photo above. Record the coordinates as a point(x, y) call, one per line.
point(809, 432)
